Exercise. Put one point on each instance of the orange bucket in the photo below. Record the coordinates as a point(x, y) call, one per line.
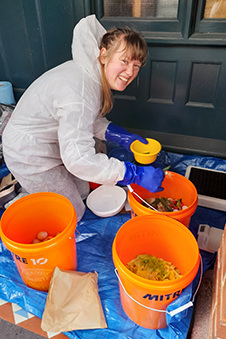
point(20, 223)
point(175, 186)
point(165, 238)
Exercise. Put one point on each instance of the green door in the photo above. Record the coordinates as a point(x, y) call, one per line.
point(179, 96)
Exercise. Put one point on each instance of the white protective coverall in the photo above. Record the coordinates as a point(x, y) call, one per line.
point(48, 143)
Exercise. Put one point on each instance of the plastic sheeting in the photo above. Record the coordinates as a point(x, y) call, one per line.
point(94, 251)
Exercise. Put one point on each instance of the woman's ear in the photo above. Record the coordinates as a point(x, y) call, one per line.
point(103, 56)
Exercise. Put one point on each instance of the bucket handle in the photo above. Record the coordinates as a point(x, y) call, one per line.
point(75, 235)
point(145, 202)
point(173, 312)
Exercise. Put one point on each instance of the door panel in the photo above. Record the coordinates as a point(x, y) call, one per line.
point(162, 82)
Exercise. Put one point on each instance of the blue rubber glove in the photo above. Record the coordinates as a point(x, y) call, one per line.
point(121, 136)
point(148, 177)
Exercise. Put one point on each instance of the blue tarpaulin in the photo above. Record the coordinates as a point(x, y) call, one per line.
point(94, 253)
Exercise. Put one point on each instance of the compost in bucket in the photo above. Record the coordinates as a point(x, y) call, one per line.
point(175, 186)
point(164, 238)
point(20, 224)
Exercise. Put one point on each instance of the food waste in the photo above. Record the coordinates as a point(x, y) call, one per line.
point(153, 268)
point(165, 204)
point(43, 236)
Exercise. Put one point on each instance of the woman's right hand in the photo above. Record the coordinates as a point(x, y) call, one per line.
point(146, 176)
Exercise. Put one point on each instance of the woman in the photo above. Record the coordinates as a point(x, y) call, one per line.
point(48, 143)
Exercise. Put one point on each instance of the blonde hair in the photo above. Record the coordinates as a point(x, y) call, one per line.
point(134, 43)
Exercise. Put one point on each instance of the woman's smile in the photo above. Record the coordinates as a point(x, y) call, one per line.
point(122, 78)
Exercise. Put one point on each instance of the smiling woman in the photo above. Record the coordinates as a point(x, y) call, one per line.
point(48, 142)
point(122, 52)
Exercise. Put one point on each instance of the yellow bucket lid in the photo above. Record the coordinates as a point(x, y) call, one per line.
point(145, 153)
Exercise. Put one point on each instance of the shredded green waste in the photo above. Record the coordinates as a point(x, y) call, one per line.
point(152, 268)
point(165, 204)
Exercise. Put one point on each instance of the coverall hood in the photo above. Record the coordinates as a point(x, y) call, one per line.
point(85, 45)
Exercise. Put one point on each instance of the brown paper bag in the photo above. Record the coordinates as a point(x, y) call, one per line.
point(73, 302)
